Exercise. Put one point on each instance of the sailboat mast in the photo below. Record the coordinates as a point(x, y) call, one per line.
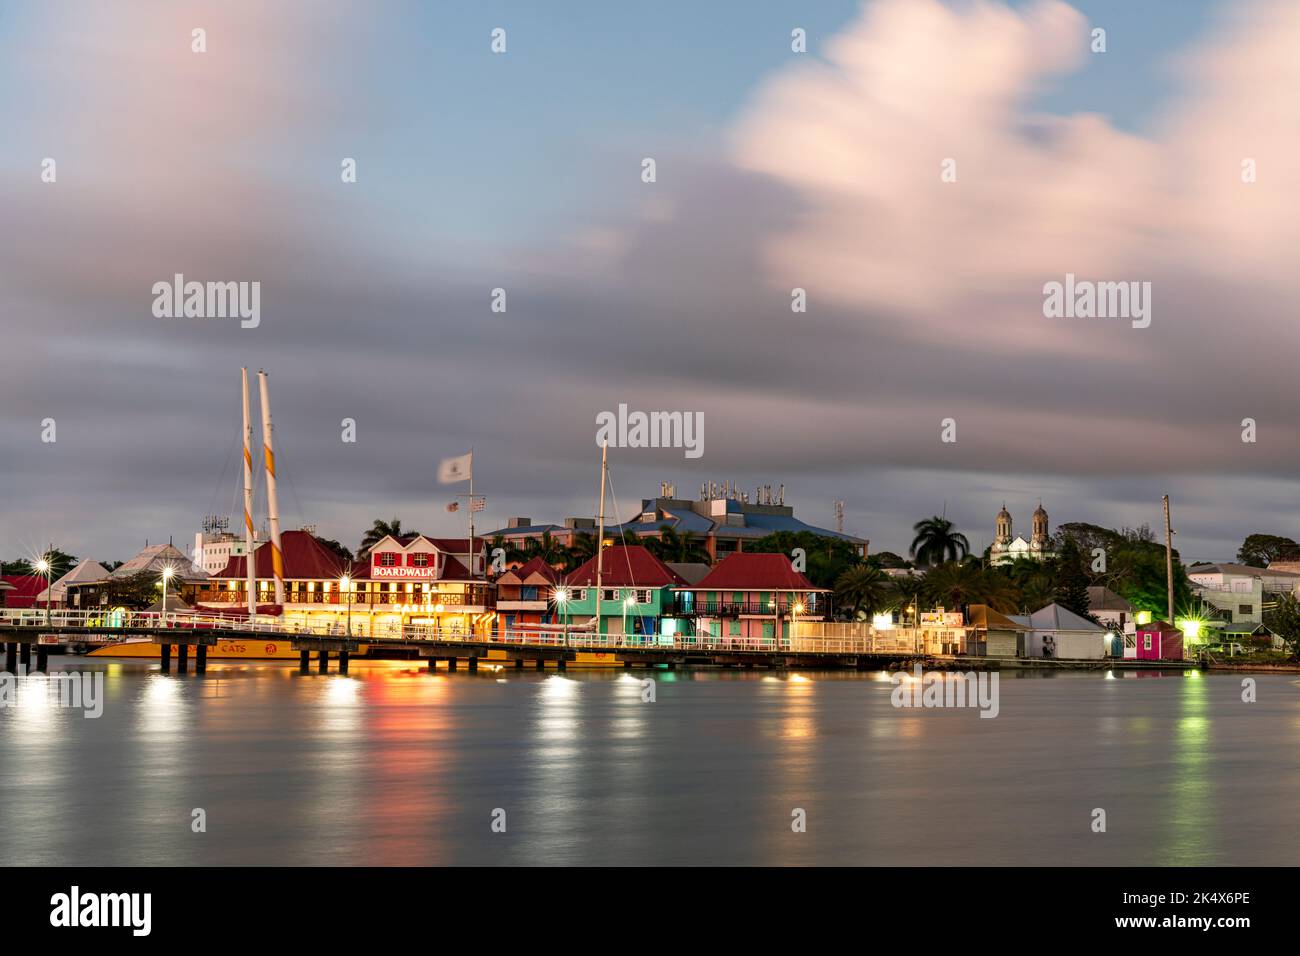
point(600, 533)
point(272, 502)
point(250, 561)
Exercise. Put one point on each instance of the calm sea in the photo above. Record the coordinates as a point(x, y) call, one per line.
point(394, 766)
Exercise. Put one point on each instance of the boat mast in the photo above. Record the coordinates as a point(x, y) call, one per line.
point(600, 533)
point(250, 559)
point(272, 502)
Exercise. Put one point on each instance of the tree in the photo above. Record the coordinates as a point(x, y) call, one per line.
point(1261, 550)
point(546, 547)
point(60, 564)
point(827, 558)
point(378, 531)
point(864, 590)
point(683, 547)
point(1071, 589)
point(937, 541)
point(888, 559)
point(139, 590)
point(1283, 619)
point(581, 550)
point(343, 554)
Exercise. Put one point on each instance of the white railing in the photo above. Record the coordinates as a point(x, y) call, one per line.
point(123, 622)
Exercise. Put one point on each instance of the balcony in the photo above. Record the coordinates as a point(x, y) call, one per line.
point(814, 605)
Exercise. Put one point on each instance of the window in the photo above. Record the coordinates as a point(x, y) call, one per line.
point(1243, 608)
point(1146, 642)
point(387, 559)
point(420, 560)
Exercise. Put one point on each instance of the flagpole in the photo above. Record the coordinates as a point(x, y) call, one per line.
point(471, 516)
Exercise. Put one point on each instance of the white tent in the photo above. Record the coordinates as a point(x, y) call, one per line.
point(83, 573)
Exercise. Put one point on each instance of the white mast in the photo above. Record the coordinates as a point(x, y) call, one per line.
point(272, 502)
point(471, 519)
point(250, 561)
point(600, 533)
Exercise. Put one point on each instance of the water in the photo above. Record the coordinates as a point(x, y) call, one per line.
point(394, 766)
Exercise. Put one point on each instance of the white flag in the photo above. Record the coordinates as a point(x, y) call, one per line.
point(457, 469)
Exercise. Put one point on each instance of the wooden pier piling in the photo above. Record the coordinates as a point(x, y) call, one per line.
point(323, 662)
point(304, 662)
point(343, 662)
point(201, 659)
point(42, 656)
point(182, 658)
point(165, 655)
point(11, 657)
point(25, 658)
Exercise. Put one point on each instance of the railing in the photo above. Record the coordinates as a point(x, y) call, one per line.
point(788, 609)
point(121, 624)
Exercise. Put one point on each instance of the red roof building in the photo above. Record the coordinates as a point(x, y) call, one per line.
point(26, 588)
point(750, 599)
point(626, 566)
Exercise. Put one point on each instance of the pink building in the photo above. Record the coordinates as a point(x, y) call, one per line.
point(1159, 641)
point(751, 597)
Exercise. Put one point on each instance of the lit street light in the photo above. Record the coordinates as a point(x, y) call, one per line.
point(44, 567)
point(345, 585)
point(167, 574)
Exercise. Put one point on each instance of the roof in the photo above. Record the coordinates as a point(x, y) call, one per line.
point(755, 571)
point(692, 571)
point(23, 589)
point(83, 573)
point(1246, 629)
point(983, 616)
point(1104, 599)
point(534, 567)
point(1156, 626)
point(626, 566)
point(305, 559)
point(1245, 569)
point(155, 557)
point(1057, 618)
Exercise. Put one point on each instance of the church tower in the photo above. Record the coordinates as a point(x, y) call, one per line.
point(1039, 541)
point(1003, 536)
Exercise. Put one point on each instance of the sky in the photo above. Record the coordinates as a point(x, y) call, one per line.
point(775, 170)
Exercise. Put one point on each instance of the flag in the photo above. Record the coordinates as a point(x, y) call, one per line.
point(456, 469)
point(477, 503)
point(453, 506)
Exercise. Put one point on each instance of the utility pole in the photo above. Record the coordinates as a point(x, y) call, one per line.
point(1169, 562)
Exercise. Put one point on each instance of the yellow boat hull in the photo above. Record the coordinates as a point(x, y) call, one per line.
point(260, 650)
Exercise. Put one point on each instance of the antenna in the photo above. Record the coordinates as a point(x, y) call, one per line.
point(839, 516)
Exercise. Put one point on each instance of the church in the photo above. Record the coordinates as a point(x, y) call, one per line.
point(1007, 548)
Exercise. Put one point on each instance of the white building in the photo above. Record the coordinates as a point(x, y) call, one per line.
point(1008, 547)
point(213, 550)
point(1057, 632)
point(1240, 591)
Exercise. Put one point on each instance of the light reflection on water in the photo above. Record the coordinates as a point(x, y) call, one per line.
point(394, 765)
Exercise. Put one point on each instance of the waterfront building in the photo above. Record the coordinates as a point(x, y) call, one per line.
point(636, 594)
point(526, 596)
point(1057, 632)
point(1008, 547)
point(409, 580)
point(1112, 610)
point(84, 573)
point(20, 590)
point(994, 634)
point(1237, 592)
point(186, 579)
point(1156, 641)
point(722, 520)
point(748, 598)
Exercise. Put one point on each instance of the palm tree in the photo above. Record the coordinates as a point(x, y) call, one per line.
point(957, 585)
point(936, 541)
point(671, 546)
point(545, 547)
point(378, 531)
point(581, 550)
point(865, 590)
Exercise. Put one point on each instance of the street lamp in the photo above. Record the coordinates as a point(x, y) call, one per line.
point(167, 574)
point(43, 567)
point(345, 585)
point(561, 596)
